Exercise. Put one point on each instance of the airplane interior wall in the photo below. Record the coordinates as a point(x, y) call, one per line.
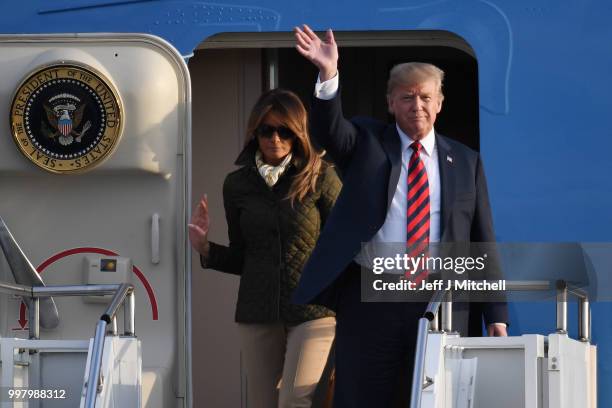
point(225, 85)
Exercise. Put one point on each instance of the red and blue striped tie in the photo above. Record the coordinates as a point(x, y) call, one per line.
point(417, 238)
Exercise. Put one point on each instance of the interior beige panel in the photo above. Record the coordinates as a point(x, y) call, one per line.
point(225, 85)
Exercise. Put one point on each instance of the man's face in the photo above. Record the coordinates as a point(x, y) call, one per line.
point(415, 107)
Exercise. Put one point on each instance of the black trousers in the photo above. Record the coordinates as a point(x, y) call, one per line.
point(375, 344)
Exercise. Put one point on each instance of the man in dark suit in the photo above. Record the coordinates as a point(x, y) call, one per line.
point(402, 183)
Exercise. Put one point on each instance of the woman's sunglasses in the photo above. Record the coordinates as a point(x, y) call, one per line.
point(267, 131)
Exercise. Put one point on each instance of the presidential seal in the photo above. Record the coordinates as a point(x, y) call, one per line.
point(66, 118)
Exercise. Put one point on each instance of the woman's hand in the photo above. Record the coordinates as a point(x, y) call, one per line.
point(497, 330)
point(199, 226)
point(323, 54)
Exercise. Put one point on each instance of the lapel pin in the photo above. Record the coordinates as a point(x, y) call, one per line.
point(449, 159)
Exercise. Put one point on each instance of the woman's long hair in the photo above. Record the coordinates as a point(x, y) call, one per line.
point(291, 111)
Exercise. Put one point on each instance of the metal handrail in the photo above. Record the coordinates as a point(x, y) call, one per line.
point(419, 362)
point(24, 273)
point(584, 310)
point(94, 383)
point(75, 290)
point(443, 297)
point(58, 290)
point(122, 294)
point(15, 289)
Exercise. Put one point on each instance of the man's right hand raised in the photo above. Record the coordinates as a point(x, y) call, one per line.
point(322, 53)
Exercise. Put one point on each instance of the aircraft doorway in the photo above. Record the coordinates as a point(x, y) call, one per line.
point(228, 73)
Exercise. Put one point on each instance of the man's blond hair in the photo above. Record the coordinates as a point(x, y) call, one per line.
point(412, 73)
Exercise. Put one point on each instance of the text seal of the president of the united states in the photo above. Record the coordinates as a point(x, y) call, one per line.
point(66, 117)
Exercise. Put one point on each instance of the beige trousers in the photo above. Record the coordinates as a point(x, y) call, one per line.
point(281, 364)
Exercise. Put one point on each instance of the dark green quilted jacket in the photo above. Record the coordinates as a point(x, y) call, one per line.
point(270, 241)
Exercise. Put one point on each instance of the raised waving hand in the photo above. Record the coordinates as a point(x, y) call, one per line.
point(199, 226)
point(322, 53)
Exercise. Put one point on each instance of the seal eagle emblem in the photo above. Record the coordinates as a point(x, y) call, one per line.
point(66, 118)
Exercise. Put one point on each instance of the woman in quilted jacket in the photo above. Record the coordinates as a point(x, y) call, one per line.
point(276, 204)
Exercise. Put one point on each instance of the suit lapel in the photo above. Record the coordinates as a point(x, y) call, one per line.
point(447, 180)
point(391, 144)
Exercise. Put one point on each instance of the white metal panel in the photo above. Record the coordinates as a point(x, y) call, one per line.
point(507, 374)
point(569, 372)
point(149, 82)
point(110, 206)
point(20, 369)
point(121, 374)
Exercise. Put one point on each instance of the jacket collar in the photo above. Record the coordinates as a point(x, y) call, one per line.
point(247, 155)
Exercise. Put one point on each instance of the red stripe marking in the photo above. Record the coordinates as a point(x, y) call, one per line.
point(418, 201)
point(413, 189)
point(424, 211)
point(417, 170)
point(415, 237)
point(102, 251)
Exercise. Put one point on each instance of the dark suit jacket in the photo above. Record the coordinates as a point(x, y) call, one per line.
point(367, 153)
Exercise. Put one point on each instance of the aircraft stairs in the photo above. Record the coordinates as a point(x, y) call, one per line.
point(42, 373)
point(530, 371)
